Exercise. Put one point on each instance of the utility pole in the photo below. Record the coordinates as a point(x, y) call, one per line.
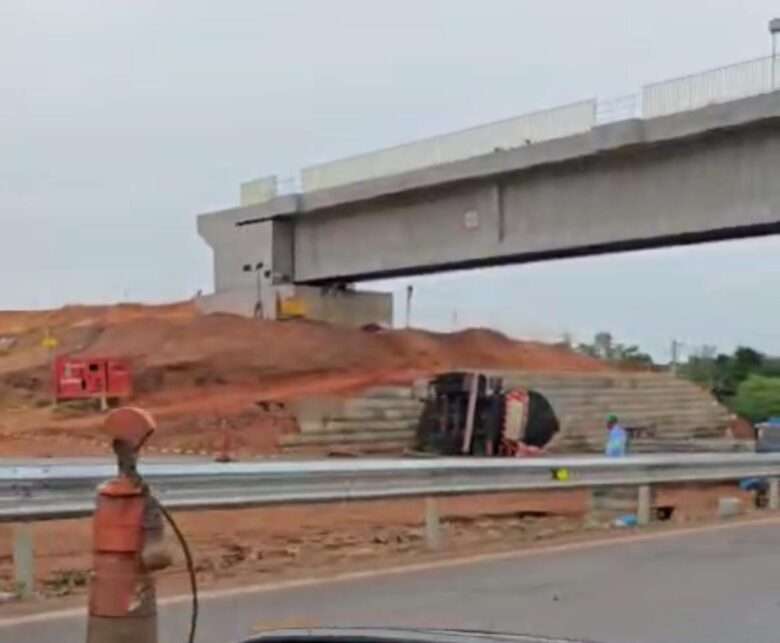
point(409, 293)
point(774, 29)
point(675, 355)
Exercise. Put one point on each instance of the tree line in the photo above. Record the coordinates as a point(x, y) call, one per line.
point(746, 381)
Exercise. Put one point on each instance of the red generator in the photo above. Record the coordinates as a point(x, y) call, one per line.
point(80, 378)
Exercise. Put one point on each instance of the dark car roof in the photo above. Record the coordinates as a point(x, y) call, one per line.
point(399, 635)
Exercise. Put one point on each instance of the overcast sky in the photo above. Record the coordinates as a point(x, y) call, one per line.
point(120, 121)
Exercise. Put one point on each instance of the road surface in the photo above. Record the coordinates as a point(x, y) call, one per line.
point(705, 586)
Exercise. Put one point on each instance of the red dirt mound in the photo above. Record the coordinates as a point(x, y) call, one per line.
point(174, 335)
point(230, 343)
point(198, 371)
point(22, 321)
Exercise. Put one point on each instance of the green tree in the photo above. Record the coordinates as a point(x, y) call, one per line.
point(770, 366)
point(631, 355)
point(723, 373)
point(758, 398)
point(745, 361)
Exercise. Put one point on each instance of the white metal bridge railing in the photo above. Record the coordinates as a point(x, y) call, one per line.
point(514, 132)
point(719, 85)
point(731, 82)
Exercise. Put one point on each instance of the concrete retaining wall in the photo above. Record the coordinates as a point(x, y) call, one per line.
point(345, 307)
point(235, 302)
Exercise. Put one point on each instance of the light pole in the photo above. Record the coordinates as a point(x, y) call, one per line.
point(774, 29)
point(409, 293)
point(676, 346)
point(257, 269)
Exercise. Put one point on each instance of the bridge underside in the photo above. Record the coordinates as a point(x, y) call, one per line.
point(726, 234)
point(723, 186)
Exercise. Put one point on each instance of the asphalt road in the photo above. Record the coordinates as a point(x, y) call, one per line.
point(703, 587)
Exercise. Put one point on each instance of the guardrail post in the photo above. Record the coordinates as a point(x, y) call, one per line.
point(644, 504)
point(24, 564)
point(432, 525)
point(774, 493)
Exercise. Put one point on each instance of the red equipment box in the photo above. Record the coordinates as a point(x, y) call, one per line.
point(78, 378)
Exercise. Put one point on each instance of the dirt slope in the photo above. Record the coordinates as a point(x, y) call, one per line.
point(198, 373)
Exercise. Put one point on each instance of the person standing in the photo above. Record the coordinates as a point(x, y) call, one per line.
point(617, 438)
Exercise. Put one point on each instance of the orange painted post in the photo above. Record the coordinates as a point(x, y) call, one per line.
point(127, 547)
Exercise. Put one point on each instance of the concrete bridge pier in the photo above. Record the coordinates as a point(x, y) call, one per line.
point(254, 268)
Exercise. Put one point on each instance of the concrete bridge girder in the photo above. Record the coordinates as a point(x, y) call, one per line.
point(697, 176)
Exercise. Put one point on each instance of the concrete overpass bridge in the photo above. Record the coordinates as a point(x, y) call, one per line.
point(705, 174)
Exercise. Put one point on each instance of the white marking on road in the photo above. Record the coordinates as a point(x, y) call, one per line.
point(407, 569)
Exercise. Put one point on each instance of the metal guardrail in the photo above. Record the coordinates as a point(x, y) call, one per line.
point(32, 493)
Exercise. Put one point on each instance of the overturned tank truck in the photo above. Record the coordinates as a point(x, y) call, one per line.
point(473, 414)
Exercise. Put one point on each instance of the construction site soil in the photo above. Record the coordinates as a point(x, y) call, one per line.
point(200, 374)
point(203, 375)
point(268, 545)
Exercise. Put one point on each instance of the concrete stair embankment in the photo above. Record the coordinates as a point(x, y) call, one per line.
point(345, 439)
point(680, 415)
point(381, 420)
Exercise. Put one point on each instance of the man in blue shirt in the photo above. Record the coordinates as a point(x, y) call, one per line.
point(617, 438)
